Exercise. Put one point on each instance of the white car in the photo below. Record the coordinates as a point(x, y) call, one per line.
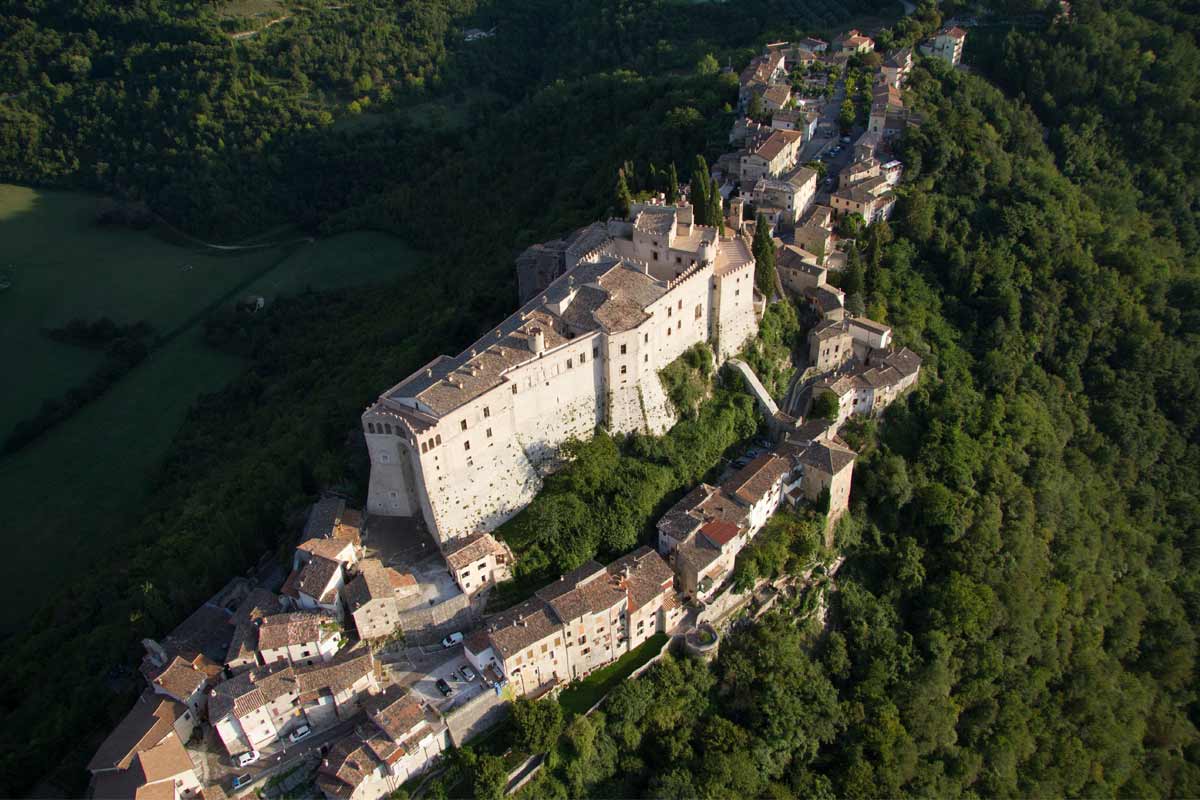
point(247, 758)
point(299, 734)
point(467, 673)
point(452, 639)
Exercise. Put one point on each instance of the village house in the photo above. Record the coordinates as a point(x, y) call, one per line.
point(373, 598)
point(298, 638)
point(853, 41)
point(772, 158)
point(825, 466)
point(793, 193)
point(478, 562)
point(776, 96)
point(242, 652)
point(946, 44)
point(577, 624)
point(867, 387)
point(464, 441)
point(403, 736)
point(812, 45)
point(185, 679)
point(897, 66)
point(798, 269)
point(143, 757)
point(703, 533)
point(261, 705)
point(871, 199)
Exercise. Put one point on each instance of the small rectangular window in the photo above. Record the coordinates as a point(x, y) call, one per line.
point(623, 370)
point(464, 424)
point(437, 439)
point(623, 349)
point(466, 445)
point(570, 363)
point(514, 388)
point(489, 433)
point(595, 352)
point(487, 412)
point(583, 358)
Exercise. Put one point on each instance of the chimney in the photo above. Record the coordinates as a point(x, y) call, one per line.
point(537, 340)
point(429, 373)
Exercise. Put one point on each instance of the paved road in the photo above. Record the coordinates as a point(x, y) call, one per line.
point(217, 767)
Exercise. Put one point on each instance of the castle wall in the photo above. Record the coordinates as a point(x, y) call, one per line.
point(733, 310)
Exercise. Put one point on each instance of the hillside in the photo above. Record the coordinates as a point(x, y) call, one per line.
point(1017, 615)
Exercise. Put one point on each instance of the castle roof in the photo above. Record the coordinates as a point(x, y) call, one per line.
point(609, 294)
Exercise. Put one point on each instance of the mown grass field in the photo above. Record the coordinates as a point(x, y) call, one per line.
point(81, 484)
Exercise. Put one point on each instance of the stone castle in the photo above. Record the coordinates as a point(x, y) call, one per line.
point(464, 441)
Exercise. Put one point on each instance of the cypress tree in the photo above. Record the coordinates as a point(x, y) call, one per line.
point(699, 191)
point(624, 198)
point(763, 248)
point(672, 185)
point(716, 209)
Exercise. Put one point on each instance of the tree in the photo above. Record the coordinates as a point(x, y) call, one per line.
point(491, 778)
point(755, 110)
point(672, 185)
point(623, 197)
point(846, 115)
point(699, 190)
point(539, 723)
point(763, 249)
point(716, 207)
point(708, 65)
point(825, 406)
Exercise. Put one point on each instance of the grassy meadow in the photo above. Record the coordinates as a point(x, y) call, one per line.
point(81, 484)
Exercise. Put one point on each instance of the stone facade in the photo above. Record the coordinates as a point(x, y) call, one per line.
point(465, 441)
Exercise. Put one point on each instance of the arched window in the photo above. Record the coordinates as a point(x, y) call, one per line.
point(388, 427)
point(370, 427)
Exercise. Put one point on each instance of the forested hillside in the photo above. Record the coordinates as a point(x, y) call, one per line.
point(1018, 613)
point(1017, 616)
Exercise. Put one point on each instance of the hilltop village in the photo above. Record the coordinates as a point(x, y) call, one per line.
point(375, 653)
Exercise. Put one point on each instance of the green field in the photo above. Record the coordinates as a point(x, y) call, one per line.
point(82, 483)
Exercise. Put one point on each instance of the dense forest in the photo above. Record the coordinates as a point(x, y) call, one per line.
point(1017, 615)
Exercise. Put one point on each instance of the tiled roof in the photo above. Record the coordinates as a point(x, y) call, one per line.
point(655, 221)
point(316, 575)
point(395, 712)
point(580, 592)
point(467, 550)
point(371, 584)
point(643, 575)
point(181, 678)
point(719, 532)
point(516, 629)
point(332, 549)
point(294, 628)
point(905, 361)
point(345, 670)
point(775, 144)
point(613, 293)
point(830, 458)
point(150, 720)
point(323, 516)
point(752, 482)
point(349, 763)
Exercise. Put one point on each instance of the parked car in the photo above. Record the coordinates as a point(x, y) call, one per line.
point(452, 639)
point(247, 758)
point(467, 673)
point(444, 687)
point(845, 140)
point(241, 780)
point(300, 733)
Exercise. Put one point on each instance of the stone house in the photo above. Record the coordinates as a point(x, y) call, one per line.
point(577, 624)
point(316, 585)
point(403, 736)
point(703, 533)
point(478, 562)
point(154, 720)
point(163, 770)
point(946, 44)
point(897, 66)
point(298, 638)
point(184, 679)
point(771, 158)
point(260, 705)
point(373, 598)
point(828, 466)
